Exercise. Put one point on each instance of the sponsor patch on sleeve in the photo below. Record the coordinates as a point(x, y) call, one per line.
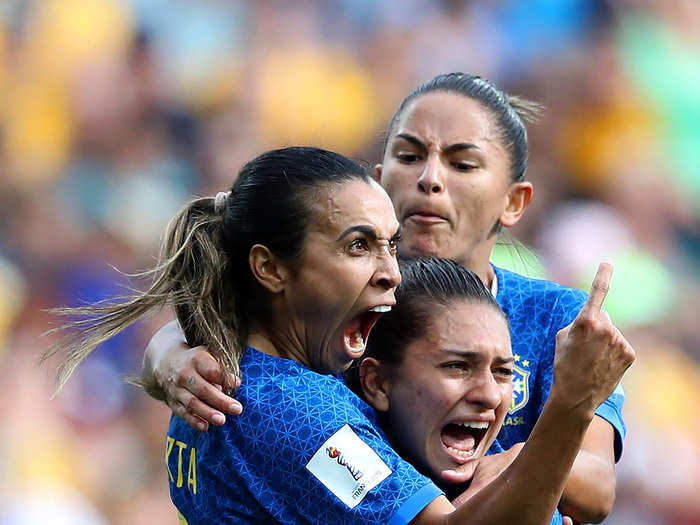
point(347, 466)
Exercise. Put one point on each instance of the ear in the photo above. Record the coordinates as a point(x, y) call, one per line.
point(378, 173)
point(519, 196)
point(267, 268)
point(374, 385)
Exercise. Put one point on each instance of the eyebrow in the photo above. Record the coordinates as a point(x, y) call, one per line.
point(368, 231)
point(410, 138)
point(461, 146)
point(468, 354)
point(452, 148)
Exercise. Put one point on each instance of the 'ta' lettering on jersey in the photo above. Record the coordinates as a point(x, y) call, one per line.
point(521, 389)
point(347, 466)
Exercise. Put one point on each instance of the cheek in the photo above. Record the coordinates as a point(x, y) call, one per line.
point(506, 398)
point(435, 401)
point(339, 284)
point(477, 200)
point(398, 181)
point(420, 403)
point(467, 199)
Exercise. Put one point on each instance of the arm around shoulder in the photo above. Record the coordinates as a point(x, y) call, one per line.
point(189, 380)
point(158, 346)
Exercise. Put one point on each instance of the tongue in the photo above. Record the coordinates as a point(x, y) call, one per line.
point(456, 436)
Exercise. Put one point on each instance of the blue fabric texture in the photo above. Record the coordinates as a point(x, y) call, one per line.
point(537, 310)
point(253, 469)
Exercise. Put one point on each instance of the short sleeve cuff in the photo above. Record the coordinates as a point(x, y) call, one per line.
point(415, 504)
point(611, 411)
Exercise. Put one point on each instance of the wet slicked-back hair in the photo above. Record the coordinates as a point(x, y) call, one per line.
point(203, 270)
point(510, 112)
point(427, 284)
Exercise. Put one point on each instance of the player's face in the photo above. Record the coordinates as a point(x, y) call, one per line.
point(449, 396)
point(347, 273)
point(447, 173)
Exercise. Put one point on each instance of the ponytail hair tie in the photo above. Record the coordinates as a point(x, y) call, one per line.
point(220, 201)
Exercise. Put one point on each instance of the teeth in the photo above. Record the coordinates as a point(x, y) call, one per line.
point(475, 424)
point(462, 453)
point(356, 341)
point(383, 308)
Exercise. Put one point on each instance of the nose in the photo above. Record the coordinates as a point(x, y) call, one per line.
point(386, 275)
point(431, 178)
point(484, 391)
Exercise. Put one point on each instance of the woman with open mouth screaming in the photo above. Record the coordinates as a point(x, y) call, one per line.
point(454, 164)
point(283, 278)
point(438, 371)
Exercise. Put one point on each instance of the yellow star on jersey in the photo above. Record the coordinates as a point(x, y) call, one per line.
point(526, 362)
point(516, 358)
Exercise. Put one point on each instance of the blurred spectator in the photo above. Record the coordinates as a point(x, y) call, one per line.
point(116, 109)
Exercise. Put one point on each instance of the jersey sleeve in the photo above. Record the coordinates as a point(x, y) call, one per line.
point(557, 518)
point(611, 411)
point(569, 305)
point(320, 459)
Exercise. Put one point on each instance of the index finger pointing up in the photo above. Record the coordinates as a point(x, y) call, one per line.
point(600, 286)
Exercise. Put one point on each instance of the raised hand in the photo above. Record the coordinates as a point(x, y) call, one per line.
point(591, 353)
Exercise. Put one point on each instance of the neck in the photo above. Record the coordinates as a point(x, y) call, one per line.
point(480, 266)
point(280, 346)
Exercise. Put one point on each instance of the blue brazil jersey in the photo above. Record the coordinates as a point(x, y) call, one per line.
point(537, 310)
point(305, 450)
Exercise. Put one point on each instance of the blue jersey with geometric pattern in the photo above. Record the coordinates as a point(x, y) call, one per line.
point(257, 468)
point(537, 310)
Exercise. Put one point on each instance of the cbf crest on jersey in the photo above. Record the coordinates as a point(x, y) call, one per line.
point(347, 466)
point(521, 389)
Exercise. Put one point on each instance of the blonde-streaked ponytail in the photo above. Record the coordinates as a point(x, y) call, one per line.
point(203, 270)
point(529, 111)
point(190, 276)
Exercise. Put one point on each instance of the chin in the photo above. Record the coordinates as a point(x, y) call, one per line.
point(421, 249)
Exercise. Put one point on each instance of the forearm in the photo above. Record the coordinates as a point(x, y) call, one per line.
point(157, 347)
point(528, 491)
point(590, 492)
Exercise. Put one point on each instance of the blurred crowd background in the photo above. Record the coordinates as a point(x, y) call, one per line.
point(113, 113)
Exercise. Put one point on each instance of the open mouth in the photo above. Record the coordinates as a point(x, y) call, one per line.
point(462, 439)
point(357, 331)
